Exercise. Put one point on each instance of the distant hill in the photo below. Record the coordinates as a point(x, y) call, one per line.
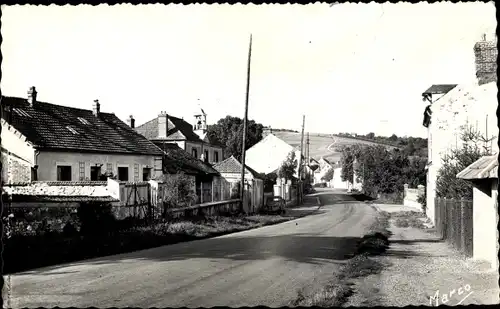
point(324, 145)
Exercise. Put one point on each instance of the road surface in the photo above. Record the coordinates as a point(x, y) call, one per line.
point(264, 266)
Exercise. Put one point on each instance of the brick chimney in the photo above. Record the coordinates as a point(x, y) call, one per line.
point(162, 124)
point(96, 108)
point(32, 95)
point(131, 121)
point(486, 53)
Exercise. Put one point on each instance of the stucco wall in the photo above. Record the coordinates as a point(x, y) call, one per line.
point(17, 155)
point(48, 161)
point(485, 218)
point(337, 179)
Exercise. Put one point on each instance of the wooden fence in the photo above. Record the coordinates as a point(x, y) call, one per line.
point(454, 223)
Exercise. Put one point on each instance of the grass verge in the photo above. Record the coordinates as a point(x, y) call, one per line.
point(409, 219)
point(337, 292)
point(57, 248)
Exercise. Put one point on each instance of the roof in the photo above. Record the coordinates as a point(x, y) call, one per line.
point(50, 126)
point(484, 168)
point(59, 191)
point(440, 89)
point(268, 154)
point(232, 165)
point(178, 129)
point(182, 160)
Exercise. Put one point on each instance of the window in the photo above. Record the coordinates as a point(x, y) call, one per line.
point(21, 112)
point(95, 171)
point(194, 152)
point(123, 173)
point(206, 155)
point(81, 166)
point(146, 174)
point(216, 156)
point(63, 173)
point(71, 130)
point(84, 121)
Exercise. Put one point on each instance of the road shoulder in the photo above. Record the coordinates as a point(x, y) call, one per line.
point(418, 266)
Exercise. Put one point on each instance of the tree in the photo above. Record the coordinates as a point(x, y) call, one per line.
point(393, 138)
point(288, 167)
point(229, 132)
point(178, 191)
point(473, 148)
point(328, 176)
point(370, 135)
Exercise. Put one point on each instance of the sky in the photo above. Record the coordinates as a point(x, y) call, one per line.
point(348, 68)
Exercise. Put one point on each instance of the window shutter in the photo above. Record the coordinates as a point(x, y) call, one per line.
point(82, 170)
point(136, 172)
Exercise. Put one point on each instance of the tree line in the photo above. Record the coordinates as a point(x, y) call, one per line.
point(411, 146)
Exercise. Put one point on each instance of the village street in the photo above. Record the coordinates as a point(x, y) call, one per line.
point(261, 266)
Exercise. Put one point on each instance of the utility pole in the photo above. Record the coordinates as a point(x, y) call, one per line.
point(300, 158)
point(242, 188)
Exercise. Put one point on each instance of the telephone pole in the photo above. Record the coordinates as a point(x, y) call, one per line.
point(300, 157)
point(242, 190)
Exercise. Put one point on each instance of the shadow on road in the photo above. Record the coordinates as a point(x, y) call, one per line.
point(301, 248)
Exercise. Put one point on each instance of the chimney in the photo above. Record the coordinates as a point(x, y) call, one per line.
point(486, 54)
point(96, 108)
point(162, 124)
point(131, 121)
point(32, 95)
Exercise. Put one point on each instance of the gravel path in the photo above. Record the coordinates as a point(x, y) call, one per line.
point(418, 265)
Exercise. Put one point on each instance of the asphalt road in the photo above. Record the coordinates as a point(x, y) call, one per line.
point(264, 266)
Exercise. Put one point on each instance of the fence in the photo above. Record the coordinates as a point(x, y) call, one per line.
point(454, 223)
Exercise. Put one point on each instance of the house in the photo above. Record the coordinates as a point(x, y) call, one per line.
point(167, 129)
point(230, 170)
point(268, 155)
point(324, 166)
point(452, 107)
point(18, 155)
point(60, 143)
point(203, 174)
point(337, 181)
point(484, 175)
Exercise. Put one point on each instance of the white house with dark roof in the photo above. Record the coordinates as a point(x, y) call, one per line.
point(192, 138)
point(62, 143)
point(452, 107)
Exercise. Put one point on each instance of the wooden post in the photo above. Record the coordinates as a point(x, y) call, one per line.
point(243, 146)
point(201, 192)
point(213, 191)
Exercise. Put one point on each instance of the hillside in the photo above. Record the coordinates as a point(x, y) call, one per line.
point(322, 145)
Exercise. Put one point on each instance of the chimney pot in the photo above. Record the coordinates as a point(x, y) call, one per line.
point(32, 95)
point(131, 121)
point(96, 108)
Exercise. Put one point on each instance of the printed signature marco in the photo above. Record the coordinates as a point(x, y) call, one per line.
point(461, 293)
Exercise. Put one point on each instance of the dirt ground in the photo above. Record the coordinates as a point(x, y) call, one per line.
point(418, 266)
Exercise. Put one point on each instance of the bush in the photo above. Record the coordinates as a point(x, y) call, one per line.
point(96, 218)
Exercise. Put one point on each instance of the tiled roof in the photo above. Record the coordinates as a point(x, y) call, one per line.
point(182, 160)
point(58, 192)
point(50, 126)
point(232, 165)
point(485, 167)
point(439, 89)
point(178, 129)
